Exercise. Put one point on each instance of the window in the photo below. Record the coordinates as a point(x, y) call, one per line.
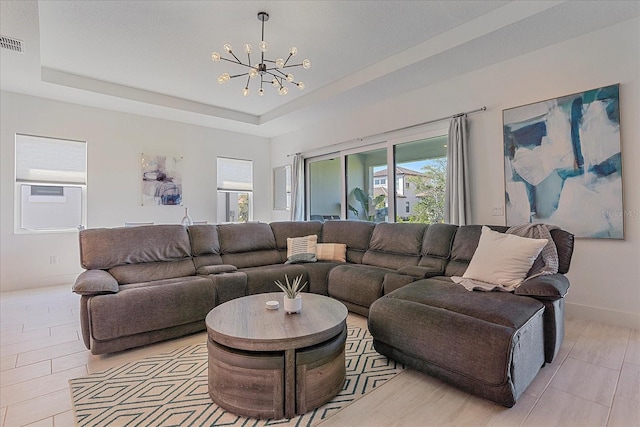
point(423, 165)
point(365, 201)
point(50, 180)
point(235, 190)
point(324, 188)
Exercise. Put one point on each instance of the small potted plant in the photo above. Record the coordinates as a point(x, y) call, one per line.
point(292, 298)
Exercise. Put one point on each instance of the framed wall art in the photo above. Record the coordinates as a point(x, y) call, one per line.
point(563, 164)
point(161, 180)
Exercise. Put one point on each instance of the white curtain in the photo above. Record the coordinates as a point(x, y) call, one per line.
point(457, 205)
point(297, 188)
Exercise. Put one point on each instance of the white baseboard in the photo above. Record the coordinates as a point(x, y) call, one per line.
point(603, 315)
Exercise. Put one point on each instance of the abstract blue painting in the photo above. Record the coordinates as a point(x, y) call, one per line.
point(563, 164)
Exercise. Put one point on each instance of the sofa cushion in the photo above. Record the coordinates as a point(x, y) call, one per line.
point(463, 247)
point(104, 248)
point(395, 245)
point(436, 246)
point(250, 244)
point(397, 238)
point(357, 284)
point(204, 239)
point(501, 308)
point(143, 307)
point(245, 237)
point(354, 234)
point(262, 279)
point(284, 229)
point(149, 271)
point(336, 252)
point(301, 249)
point(502, 260)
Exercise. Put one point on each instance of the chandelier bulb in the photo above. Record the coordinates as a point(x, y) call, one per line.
point(245, 91)
point(290, 77)
point(306, 64)
point(275, 83)
point(279, 63)
point(247, 48)
point(253, 73)
point(283, 90)
point(264, 46)
point(293, 51)
point(224, 77)
point(227, 48)
point(215, 56)
point(300, 85)
point(261, 92)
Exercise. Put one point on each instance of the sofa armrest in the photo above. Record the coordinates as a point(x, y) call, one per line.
point(216, 269)
point(420, 272)
point(95, 282)
point(549, 287)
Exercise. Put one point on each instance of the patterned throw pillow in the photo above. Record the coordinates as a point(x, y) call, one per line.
point(332, 252)
point(301, 249)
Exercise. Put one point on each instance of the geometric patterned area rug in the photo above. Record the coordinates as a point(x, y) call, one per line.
point(170, 389)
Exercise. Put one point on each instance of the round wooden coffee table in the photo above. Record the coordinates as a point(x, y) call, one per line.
point(268, 364)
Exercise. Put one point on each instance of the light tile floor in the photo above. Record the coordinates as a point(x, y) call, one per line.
point(594, 381)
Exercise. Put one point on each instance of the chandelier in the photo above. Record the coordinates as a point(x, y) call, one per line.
point(275, 72)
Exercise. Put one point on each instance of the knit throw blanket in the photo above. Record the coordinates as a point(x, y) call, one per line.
point(547, 262)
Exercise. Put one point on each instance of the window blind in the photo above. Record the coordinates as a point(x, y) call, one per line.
point(50, 160)
point(235, 175)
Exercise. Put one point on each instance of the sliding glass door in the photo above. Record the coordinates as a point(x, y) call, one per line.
point(399, 180)
point(324, 184)
point(367, 197)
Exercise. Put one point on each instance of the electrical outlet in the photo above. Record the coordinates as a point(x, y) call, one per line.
point(53, 259)
point(498, 211)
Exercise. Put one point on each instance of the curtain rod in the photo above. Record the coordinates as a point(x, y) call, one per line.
point(483, 108)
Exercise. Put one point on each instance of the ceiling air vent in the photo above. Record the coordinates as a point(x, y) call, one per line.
point(12, 44)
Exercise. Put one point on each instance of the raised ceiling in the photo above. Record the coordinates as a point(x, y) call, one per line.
point(153, 57)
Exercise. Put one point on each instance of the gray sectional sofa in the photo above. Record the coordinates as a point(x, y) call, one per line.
point(151, 283)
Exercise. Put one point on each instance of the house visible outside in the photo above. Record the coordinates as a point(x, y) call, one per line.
point(419, 195)
point(406, 198)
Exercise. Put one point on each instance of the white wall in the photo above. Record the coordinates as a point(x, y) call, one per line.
point(115, 142)
point(605, 274)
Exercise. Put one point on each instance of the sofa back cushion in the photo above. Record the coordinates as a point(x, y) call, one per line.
point(464, 246)
point(205, 245)
point(395, 245)
point(466, 241)
point(105, 248)
point(436, 246)
point(249, 244)
point(150, 271)
point(354, 234)
point(282, 230)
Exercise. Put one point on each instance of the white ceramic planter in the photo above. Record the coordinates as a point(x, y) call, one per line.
point(293, 305)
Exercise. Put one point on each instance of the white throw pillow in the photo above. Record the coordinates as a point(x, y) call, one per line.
point(503, 259)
